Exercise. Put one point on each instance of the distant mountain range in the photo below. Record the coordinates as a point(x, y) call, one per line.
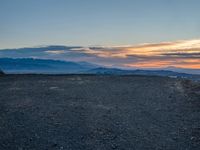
point(46, 66)
point(43, 66)
point(183, 70)
point(114, 71)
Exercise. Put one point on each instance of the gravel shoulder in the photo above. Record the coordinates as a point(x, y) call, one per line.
point(87, 112)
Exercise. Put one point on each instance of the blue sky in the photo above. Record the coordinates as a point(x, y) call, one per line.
point(116, 33)
point(26, 23)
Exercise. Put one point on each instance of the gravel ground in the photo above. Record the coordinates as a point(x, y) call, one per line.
point(85, 112)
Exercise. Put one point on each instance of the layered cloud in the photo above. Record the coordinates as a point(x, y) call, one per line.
point(184, 54)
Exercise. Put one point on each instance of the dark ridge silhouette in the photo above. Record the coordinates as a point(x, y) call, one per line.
point(1, 72)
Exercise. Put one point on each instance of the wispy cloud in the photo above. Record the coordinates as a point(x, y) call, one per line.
point(157, 55)
point(185, 54)
point(57, 52)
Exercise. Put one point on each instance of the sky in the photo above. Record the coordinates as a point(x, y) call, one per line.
point(128, 33)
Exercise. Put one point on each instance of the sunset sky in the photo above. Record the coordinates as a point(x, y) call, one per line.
point(116, 33)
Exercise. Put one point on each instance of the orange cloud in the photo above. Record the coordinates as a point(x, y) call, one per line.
point(184, 54)
point(181, 63)
point(156, 55)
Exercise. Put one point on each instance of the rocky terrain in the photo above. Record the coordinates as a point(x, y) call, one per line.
point(89, 112)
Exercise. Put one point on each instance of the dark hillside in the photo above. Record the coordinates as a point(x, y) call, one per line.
point(1, 72)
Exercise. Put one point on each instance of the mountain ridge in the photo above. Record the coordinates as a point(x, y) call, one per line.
point(31, 65)
point(49, 66)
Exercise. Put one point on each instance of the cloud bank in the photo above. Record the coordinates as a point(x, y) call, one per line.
point(182, 54)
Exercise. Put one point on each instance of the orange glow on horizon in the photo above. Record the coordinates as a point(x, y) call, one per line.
point(183, 54)
point(192, 64)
